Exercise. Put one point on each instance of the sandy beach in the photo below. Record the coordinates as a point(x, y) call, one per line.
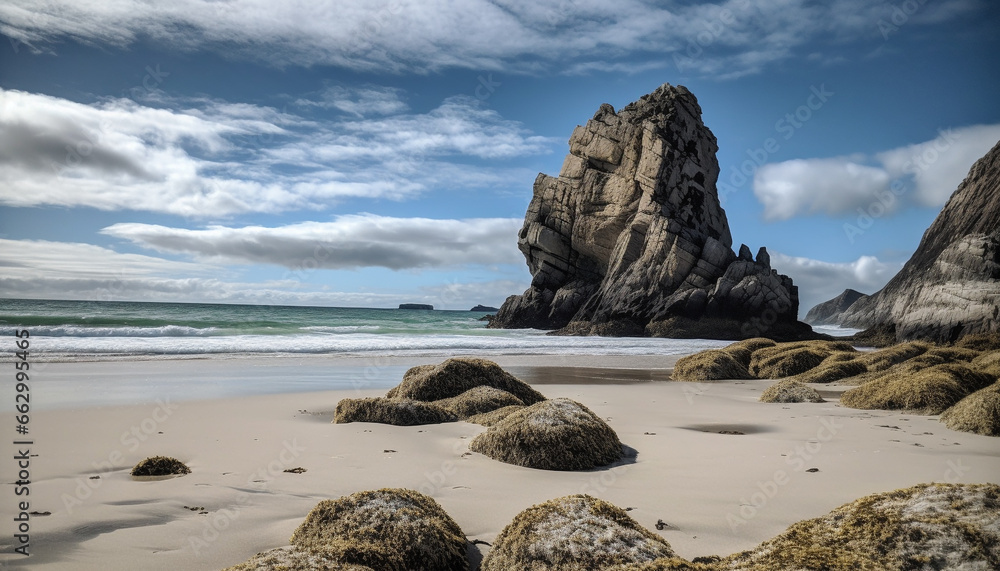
point(717, 491)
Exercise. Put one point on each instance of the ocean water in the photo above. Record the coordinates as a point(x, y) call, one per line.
point(82, 330)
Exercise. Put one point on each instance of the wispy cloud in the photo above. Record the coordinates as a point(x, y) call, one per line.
point(41, 269)
point(732, 38)
point(924, 174)
point(208, 158)
point(349, 242)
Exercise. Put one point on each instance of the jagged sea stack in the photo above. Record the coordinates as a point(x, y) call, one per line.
point(950, 287)
point(630, 238)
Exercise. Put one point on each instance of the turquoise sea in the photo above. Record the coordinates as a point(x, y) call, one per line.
point(82, 330)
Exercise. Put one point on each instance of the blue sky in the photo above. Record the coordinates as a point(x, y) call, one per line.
point(358, 153)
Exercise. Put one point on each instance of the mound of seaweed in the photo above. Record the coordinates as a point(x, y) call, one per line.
point(711, 365)
point(670, 564)
point(978, 412)
point(455, 376)
point(742, 350)
point(388, 530)
point(988, 363)
point(930, 391)
point(789, 359)
point(494, 416)
point(836, 367)
point(928, 526)
point(160, 466)
point(294, 558)
point(980, 342)
point(573, 533)
point(883, 359)
point(558, 434)
point(400, 412)
point(787, 391)
point(479, 400)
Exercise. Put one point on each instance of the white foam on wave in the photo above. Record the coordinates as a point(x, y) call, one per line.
point(75, 331)
point(519, 342)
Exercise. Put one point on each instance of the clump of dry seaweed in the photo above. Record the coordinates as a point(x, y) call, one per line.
point(573, 533)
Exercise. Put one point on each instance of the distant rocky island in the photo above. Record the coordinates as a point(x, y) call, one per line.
point(630, 238)
point(950, 287)
point(415, 306)
point(484, 308)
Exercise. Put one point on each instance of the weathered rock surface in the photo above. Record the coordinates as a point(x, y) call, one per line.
point(829, 311)
point(631, 233)
point(950, 287)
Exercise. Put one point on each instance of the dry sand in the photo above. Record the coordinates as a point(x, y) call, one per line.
point(718, 493)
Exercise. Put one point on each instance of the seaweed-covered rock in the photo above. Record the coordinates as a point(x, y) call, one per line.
point(742, 350)
point(836, 367)
point(788, 359)
point(558, 434)
point(931, 390)
point(787, 390)
point(455, 376)
point(883, 359)
point(493, 417)
point(387, 530)
point(160, 466)
point(674, 564)
point(978, 412)
point(400, 412)
point(573, 533)
point(479, 400)
point(711, 365)
point(980, 342)
point(988, 363)
point(294, 558)
point(928, 526)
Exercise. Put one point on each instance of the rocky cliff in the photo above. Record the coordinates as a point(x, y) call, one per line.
point(950, 287)
point(830, 312)
point(630, 238)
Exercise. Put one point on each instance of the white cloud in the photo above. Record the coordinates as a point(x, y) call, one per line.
point(925, 174)
point(206, 158)
point(512, 35)
point(360, 101)
point(39, 269)
point(809, 186)
point(349, 242)
point(820, 281)
point(939, 165)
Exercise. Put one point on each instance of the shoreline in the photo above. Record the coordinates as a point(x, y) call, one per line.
point(61, 385)
point(698, 481)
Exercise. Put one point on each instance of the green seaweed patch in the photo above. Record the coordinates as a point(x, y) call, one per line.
point(399, 412)
point(711, 365)
point(789, 391)
point(574, 533)
point(455, 376)
point(479, 400)
point(929, 391)
point(160, 466)
point(928, 526)
point(978, 413)
point(558, 434)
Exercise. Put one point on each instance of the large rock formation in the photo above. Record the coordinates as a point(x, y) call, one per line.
point(950, 287)
point(830, 311)
point(630, 238)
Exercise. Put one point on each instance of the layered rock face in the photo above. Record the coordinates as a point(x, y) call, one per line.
point(950, 287)
point(631, 233)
